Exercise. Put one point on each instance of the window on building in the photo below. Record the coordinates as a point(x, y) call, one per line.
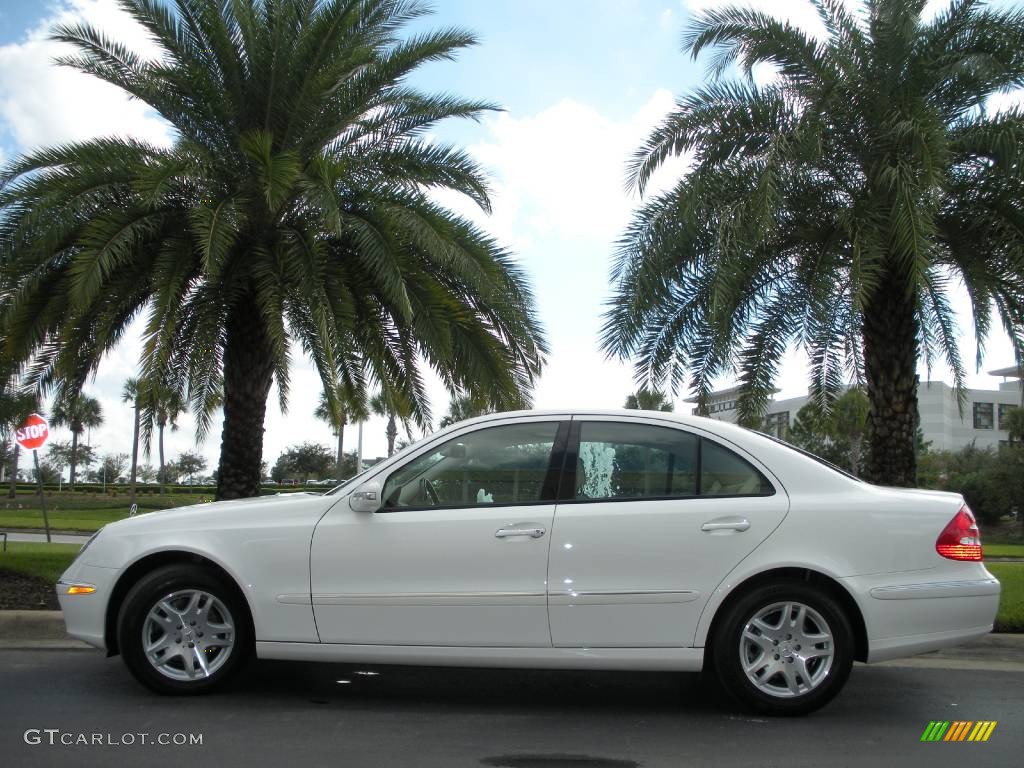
point(1005, 409)
point(777, 424)
point(983, 418)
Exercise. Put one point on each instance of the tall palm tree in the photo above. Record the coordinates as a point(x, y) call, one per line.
point(292, 205)
point(835, 207)
point(347, 407)
point(77, 412)
point(162, 404)
point(391, 404)
point(130, 393)
point(648, 400)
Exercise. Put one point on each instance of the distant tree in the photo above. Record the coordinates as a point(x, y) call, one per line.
point(61, 454)
point(347, 407)
point(15, 404)
point(162, 404)
point(648, 400)
point(130, 393)
point(462, 407)
point(991, 481)
point(395, 407)
point(49, 473)
point(1015, 424)
point(146, 473)
point(78, 412)
point(302, 462)
point(839, 435)
point(190, 464)
point(110, 468)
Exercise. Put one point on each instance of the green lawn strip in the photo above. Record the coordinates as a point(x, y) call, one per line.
point(45, 561)
point(1011, 602)
point(1003, 550)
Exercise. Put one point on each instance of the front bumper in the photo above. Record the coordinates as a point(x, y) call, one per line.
point(85, 614)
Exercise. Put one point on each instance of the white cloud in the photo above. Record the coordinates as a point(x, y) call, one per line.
point(667, 19)
point(42, 104)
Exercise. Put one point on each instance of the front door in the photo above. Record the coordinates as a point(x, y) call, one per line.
point(456, 556)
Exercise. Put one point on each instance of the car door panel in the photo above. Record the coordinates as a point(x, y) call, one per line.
point(446, 575)
point(638, 572)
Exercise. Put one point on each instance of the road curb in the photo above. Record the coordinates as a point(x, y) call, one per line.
point(20, 626)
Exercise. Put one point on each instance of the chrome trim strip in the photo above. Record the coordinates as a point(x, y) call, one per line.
point(301, 598)
point(623, 596)
point(976, 588)
point(429, 598)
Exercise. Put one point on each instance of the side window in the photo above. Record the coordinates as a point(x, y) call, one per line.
point(494, 465)
point(723, 473)
point(635, 461)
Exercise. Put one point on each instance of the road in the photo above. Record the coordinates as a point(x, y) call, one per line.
point(56, 538)
point(298, 715)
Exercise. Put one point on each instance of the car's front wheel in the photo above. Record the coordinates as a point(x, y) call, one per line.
point(182, 630)
point(784, 649)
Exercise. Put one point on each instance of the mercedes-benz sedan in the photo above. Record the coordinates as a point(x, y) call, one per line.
point(623, 540)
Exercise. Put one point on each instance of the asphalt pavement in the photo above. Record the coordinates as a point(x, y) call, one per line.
point(292, 714)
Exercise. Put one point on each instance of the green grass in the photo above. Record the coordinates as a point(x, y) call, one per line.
point(1002, 550)
point(45, 561)
point(1011, 602)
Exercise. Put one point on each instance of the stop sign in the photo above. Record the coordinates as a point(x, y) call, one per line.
point(33, 433)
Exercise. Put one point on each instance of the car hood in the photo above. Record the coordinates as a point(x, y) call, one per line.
point(215, 512)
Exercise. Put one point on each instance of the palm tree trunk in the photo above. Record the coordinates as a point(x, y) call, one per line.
point(12, 491)
point(74, 460)
point(135, 452)
point(890, 366)
point(392, 434)
point(341, 452)
point(248, 373)
point(161, 478)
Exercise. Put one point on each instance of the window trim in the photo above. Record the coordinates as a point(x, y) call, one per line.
point(556, 463)
point(567, 487)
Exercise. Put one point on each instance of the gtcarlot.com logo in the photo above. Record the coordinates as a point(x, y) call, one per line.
point(55, 736)
point(958, 730)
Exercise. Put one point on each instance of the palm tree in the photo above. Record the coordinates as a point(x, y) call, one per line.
point(162, 404)
point(391, 404)
point(462, 407)
point(78, 413)
point(835, 207)
point(130, 394)
point(292, 206)
point(648, 400)
point(347, 407)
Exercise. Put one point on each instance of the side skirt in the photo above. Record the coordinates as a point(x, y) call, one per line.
point(634, 659)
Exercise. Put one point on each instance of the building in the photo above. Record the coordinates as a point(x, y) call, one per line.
point(982, 422)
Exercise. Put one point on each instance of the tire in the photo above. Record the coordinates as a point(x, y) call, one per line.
point(790, 675)
point(196, 626)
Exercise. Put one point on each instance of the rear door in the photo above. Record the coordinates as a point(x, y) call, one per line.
point(650, 519)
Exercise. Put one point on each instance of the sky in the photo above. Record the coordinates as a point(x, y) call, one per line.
point(580, 83)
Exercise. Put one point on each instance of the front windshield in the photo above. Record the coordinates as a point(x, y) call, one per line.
point(354, 478)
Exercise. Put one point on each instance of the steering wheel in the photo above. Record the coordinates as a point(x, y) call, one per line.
point(428, 492)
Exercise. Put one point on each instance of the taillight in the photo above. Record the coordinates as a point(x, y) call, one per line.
point(960, 539)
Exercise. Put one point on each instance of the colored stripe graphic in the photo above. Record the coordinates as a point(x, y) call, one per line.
point(958, 730)
point(935, 730)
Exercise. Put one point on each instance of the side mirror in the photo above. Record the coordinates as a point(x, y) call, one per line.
point(365, 498)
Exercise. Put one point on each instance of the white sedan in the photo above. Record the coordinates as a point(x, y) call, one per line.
point(624, 540)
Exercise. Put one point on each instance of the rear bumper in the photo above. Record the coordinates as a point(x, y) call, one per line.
point(903, 619)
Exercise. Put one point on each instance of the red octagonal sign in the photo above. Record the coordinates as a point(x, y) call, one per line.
point(33, 433)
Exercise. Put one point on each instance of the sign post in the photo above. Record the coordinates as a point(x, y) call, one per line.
point(31, 436)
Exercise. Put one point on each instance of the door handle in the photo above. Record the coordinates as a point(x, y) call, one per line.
point(532, 530)
point(726, 525)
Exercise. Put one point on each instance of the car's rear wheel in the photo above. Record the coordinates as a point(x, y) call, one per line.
point(783, 649)
point(182, 630)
